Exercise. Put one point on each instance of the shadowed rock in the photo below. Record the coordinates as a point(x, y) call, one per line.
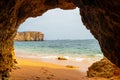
point(101, 17)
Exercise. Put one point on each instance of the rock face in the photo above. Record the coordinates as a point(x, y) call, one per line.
point(101, 17)
point(104, 68)
point(29, 36)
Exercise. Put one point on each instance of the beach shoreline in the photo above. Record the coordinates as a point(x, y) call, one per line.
point(34, 69)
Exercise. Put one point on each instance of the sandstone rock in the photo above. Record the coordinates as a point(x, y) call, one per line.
point(62, 58)
point(101, 17)
point(29, 36)
point(104, 68)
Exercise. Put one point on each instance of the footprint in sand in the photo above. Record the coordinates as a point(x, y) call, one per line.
point(45, 71)
point(48, 78)
point(51, 76)
point(37, 78)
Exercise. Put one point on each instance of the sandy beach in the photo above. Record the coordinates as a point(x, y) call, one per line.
point(32, 69)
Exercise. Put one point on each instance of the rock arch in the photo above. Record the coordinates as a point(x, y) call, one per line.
point(100, 16)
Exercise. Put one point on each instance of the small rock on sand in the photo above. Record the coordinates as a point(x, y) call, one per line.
point(61, 58)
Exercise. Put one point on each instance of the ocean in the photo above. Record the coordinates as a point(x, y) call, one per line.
point(72, 49)
point(80, 53)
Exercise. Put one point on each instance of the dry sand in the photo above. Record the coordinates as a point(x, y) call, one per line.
point(30, 69)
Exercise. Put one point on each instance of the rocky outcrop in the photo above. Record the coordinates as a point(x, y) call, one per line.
point(104, 68)
point(29, 36)
point(101, 17)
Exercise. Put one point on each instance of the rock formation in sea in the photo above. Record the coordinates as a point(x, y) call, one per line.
point(29, 36)
point(101, 17)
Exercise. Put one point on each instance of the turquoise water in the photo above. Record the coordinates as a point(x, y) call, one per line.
point(53, 48)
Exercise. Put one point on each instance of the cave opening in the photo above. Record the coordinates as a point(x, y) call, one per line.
point(100, 17)
point(81, 50)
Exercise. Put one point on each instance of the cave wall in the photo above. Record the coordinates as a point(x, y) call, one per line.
point(101, 17)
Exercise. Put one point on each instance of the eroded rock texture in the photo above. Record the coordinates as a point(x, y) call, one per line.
point(12, 14)
point(101, 17)
point(29, 36)
point(104, 68)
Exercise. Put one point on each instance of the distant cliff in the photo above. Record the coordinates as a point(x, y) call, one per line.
point(29, 36)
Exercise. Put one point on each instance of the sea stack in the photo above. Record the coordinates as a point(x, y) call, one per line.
point(29, 36)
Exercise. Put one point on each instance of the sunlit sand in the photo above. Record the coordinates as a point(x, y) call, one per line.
point(31, 69)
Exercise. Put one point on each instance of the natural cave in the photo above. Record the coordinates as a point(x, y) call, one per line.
point(100, 17)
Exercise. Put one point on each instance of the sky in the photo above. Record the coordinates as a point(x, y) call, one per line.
point(58, 24)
